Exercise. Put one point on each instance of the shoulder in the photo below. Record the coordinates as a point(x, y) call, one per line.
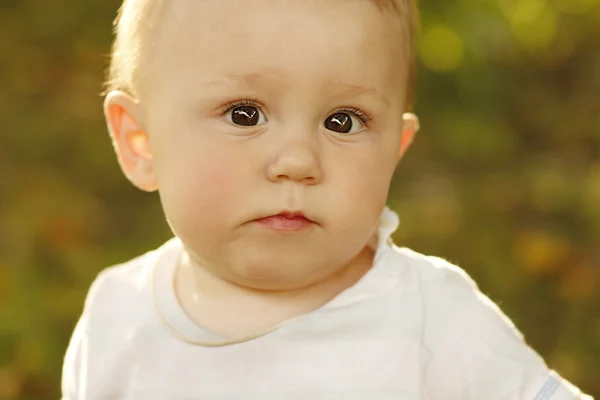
point(117, 308)
point(120, 298)
point(121, 294)
point(471, 348)
point(453, 303)
point(439, 281)
point(431, 269)
point(124, 283)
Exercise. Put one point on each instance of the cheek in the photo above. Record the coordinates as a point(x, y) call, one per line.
point(365, 178)
point(200, 186)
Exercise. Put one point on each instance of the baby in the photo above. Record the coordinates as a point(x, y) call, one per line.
point(271, 130)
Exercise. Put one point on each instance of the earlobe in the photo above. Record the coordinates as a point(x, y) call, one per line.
point(131, 143)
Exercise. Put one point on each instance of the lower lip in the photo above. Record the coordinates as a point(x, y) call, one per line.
point(279, 223)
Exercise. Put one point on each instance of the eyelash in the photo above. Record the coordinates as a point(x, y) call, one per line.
point(366, 119)
point(242, 103)
point(359, 114)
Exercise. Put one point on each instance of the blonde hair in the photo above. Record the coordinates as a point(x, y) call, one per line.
point(138, 21)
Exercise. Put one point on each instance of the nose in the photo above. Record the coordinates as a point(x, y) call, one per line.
point(296, 160)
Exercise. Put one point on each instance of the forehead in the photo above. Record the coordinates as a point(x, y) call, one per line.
point(199, 41)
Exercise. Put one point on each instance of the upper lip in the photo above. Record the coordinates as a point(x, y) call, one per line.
point(292, 214)
point(289, 214)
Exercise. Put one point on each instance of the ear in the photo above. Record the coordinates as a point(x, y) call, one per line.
point(124, 119)
point(410, 127)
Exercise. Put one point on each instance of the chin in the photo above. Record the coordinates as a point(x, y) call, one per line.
point(272, 274)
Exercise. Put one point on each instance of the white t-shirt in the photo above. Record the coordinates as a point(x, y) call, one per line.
point(414, 327)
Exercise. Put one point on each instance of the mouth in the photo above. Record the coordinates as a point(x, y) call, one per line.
point(289, 221)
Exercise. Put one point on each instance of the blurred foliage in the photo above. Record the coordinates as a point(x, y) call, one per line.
point(504, 179)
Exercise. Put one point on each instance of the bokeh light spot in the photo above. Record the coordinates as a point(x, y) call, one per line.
point(534, 24)
point(541, 252)
point(441, 49)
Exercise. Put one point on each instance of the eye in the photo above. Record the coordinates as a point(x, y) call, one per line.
point(245, 114)
point(346, 121)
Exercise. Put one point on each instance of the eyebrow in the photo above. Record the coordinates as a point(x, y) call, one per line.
point(276, 80)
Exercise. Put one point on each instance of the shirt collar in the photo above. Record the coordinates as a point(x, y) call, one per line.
point(382, 239)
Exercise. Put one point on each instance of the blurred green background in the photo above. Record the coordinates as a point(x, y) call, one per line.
point(503, 180)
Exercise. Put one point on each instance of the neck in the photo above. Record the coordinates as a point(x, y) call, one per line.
point(203, 281)
point(231, 310)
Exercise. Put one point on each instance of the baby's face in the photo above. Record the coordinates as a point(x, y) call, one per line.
point(253, 108)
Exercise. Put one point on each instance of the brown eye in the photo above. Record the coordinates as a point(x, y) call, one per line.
point(342, 123)
point(245, 116)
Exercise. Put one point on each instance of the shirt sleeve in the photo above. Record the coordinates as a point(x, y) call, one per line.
point(480, 355)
